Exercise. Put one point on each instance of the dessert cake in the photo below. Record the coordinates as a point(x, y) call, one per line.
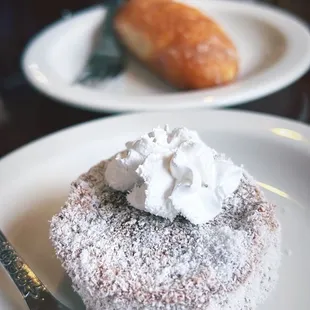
point(125, 250)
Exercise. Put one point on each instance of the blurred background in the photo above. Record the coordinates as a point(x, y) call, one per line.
point(26, 114)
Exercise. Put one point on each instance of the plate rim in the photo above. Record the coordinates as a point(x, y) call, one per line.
point(209, 98)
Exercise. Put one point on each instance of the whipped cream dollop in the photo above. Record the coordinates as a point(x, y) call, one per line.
point(171, 172)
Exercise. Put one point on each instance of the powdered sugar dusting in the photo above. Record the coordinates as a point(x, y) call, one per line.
point(122, 258)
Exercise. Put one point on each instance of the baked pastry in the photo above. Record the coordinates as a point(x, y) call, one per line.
point(178, 43)
point(122, 257)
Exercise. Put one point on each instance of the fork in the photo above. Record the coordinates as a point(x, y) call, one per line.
point(32, 289)
point(108, 56)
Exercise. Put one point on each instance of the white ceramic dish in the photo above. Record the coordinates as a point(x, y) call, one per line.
point(34, 183)
point(274, 48)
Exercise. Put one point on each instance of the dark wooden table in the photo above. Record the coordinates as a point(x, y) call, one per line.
point(26, 114)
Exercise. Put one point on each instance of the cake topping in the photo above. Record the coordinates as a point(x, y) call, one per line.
point(173, 172)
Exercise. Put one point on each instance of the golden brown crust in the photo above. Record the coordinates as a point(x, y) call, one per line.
point(178, 42)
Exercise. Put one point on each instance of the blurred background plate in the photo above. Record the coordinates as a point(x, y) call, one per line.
point(274, 48)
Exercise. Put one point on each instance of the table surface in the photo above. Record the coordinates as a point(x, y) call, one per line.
point(26, 114)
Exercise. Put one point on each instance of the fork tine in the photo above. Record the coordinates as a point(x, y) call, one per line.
point(100, 68)
point(107, 59)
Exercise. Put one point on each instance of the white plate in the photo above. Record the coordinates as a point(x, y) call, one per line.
point(273, 45)
point(34, 183)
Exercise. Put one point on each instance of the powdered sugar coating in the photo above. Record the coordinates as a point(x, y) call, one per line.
point(122, 258)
